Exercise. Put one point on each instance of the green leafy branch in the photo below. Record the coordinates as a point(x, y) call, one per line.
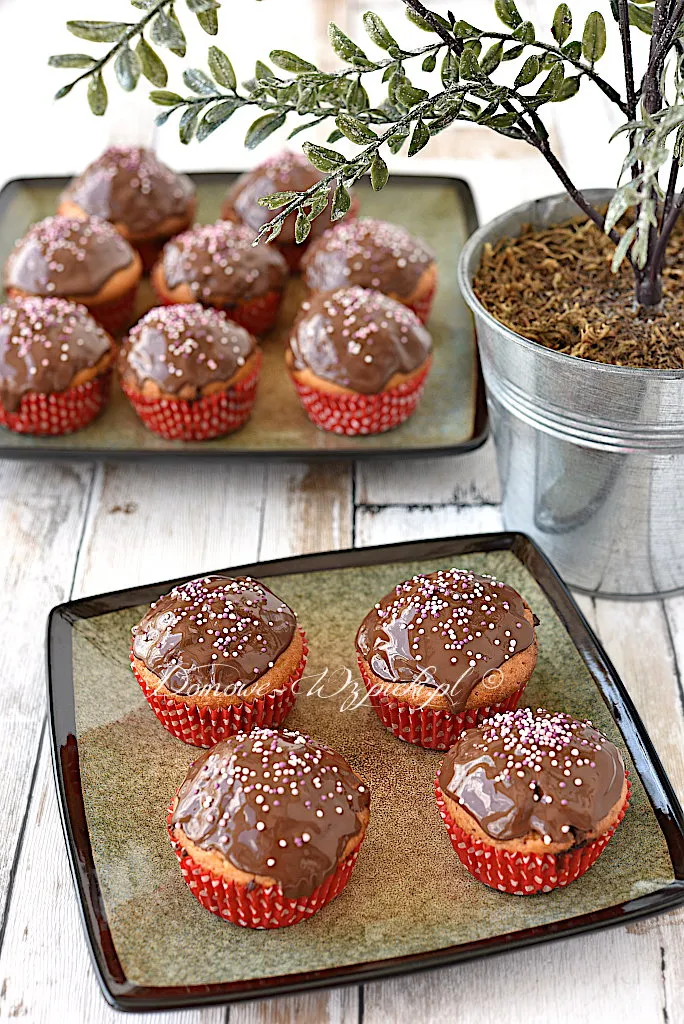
point(502, 79)
point(130, 63)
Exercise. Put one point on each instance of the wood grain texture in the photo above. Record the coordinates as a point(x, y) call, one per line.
point(469, 479)
point(146, 523)
point(42, 509)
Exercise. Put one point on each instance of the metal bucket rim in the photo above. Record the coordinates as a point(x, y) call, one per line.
point(482, 235)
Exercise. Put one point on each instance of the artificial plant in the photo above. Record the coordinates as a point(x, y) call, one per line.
point(503, 77)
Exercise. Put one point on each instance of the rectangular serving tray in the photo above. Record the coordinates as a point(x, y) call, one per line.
point(452, 416)
point(154, 947)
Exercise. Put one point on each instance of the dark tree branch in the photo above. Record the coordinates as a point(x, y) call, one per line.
point(664, 30)
point(623, 21)
point(606, 88)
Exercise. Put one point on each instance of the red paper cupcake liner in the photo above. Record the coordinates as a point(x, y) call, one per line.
point(117, 314)
point(60, 412)
point(201, 419)
point(256, 315)
point(357, 414)
point(517, 873)
point(428, 727)
point(260, 906)
point(422, 306)
point(149, 250)
point(204, 726)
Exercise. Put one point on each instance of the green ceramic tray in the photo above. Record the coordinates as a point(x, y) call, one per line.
point(452, 416)
point(409, 904)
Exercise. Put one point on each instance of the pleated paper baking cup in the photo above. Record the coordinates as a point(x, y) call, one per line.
point(356, 414)
point(149, 250)
point(200, 419)
point(423, 305)
point(117, 314)
point(259, 906)
point(60, 412)
point(256, 315)
point(517, 873)
point(428, 727)
point(205, 726)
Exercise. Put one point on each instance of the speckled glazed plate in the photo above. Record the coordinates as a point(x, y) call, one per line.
point(452, 416)
point(409, 904)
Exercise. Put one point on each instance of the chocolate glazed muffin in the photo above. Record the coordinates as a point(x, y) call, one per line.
point(373, 254)
point(85, 261)
point(275, 820)
point(359, 360)
point(442, 650)
point(218, 655)
point(284, 172)
point(190, 373)
point(217, 265)
point(144, 199)
point(531, 799)
point(55, 363)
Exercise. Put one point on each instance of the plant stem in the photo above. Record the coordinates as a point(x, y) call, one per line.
point(606, 88)
point(358, 163)
point(134, 30)
point(659, 48)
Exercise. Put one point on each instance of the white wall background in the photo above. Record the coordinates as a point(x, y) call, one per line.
point(40, 136)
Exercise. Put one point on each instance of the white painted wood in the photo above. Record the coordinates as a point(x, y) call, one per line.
point(338, 1006)
point(147, 523)
point(42, 509)
point(469, 479)
point(44, 968)
point(400, 523)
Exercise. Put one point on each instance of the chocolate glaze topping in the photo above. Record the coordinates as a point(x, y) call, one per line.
point(367, 252)
point(447, 630)
point(185, 345)
point(358, 339)
point(44, 343)
point(274, 804)
point(128, 185)
point(64, 256)
point(519, 773)
point(284, 172)
point(218, 261)
point(214, 634)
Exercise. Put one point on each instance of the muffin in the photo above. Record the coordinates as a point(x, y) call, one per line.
point(267, 827)
point(373, 254)
point(531, 799)
point(284, 172)
point(85, 261)
point(444, 650)
point(358, 360)
point(55, 366)
point(217, 265)
point(217, 656)
point(190, 373)
point(144, 199)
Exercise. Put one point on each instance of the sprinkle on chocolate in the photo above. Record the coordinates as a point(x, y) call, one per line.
point(66, 257)
point(509, 774)
point(129, 185)
point(370, 253)
point(184, 348)
point(358, 338)
point(219, 262)
point(44, 344)
point(446, 630)
point(215, 633)
point(231, 802)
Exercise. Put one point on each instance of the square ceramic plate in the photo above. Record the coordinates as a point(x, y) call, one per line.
point(452, 416)
point(409, 904)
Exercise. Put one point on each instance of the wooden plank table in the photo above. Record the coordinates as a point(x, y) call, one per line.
point(70, 530)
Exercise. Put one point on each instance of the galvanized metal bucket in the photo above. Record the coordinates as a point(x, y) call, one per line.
point(591, 456)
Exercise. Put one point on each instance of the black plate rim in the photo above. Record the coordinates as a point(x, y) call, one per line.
point(123, 995)
point(480, 418)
